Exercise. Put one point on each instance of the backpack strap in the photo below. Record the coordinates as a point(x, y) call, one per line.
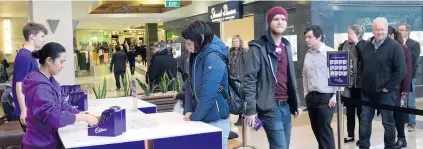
point(221, 87)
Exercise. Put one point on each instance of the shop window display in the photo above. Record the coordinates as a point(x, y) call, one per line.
point(345, 16)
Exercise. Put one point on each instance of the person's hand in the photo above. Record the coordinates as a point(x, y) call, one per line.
point(332, 103)
point(23, 117)
point(354, 38)
point(298, 113)
point(250, 120)
point(385, 90)
point(91, 120)
point(187, 115)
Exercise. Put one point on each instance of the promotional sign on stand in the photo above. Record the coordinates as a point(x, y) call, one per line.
point(338, 63)
point(134, 95)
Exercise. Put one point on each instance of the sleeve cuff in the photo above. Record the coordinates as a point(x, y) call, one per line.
point(250, 112)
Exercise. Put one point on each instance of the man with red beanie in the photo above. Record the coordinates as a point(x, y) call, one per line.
point(270, 83)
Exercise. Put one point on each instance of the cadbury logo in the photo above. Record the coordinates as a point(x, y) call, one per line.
point(98, 130)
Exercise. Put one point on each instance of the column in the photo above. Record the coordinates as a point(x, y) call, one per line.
point(56, 16)
point(151, 37)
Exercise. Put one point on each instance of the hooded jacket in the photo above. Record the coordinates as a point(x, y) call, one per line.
point(260, 77)
point(161, 62)
point(208, 72)
point(47, 111)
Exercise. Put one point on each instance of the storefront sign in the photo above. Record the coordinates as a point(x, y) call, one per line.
point(338, 68)
point(226, 11)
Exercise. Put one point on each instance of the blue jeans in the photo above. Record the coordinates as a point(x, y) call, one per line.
point(278, 128)
point(412, 103)
point(388, 121)
point(225, 125)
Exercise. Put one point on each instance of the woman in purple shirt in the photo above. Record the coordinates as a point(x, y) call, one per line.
point(46, 110)
point(404, 90)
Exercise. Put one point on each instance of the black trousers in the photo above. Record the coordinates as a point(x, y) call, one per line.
point(118, 74)
point(320, 118)
point(400, 120)
point(352, 109)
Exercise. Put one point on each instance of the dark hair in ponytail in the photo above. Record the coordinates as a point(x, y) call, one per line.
point(52, 50)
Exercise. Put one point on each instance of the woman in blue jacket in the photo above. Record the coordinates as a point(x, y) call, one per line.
point(208, 73)
point(47, 111)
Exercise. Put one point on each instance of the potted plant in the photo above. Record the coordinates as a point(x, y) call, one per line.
point(164, 98)
point(101, 91)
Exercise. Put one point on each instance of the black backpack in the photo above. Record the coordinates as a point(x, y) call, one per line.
point(235, 98)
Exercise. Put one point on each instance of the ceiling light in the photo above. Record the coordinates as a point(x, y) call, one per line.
point(114, 20)
point(7, 36)
point(186, 19)
point(158, 19)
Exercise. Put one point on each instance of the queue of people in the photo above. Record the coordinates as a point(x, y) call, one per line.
point(382, 71)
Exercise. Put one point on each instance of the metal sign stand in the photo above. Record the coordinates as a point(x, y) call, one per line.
point(244, 138)
point(340, 111)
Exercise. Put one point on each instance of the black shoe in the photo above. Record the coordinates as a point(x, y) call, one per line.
point(401, 143)
point(346, 140)
point(357, 143)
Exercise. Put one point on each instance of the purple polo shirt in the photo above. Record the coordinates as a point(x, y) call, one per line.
point(281, 89)
point(24, 64)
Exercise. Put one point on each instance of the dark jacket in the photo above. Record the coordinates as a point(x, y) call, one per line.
point(119, 60)
point(406, 82)
point(161, 62)
point(414, 47)
point(382, 68)
point(236, 62)
point(260, 77)
point(355, 78)
point(131, 57)
point(201, 90)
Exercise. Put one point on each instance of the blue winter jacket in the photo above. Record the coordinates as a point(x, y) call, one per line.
point(209, 71)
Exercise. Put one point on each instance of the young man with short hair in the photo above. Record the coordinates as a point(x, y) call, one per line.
point(318, 94)
point(34, 34)
point(269, 83)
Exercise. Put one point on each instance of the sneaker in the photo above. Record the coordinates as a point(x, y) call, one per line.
point(411, 128)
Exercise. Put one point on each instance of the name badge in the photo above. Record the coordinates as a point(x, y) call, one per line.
point(278, 49)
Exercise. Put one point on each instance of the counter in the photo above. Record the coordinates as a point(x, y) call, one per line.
point(144, 131)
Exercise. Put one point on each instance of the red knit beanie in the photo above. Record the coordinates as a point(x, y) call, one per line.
point(275, 11)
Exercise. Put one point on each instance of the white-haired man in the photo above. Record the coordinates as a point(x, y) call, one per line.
point(383, 69)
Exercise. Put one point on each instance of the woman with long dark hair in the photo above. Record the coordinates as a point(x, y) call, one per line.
point(47, 110)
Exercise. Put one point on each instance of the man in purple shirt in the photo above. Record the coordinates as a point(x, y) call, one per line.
point(269, 82)
point(34, 34)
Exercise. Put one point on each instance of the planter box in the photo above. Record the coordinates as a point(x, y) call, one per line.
point(164, 103)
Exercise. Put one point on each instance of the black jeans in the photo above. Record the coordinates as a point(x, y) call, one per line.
point(9, 111)
point(117, 75)
point(352, 109)
point(388, 121)
point(320, 118)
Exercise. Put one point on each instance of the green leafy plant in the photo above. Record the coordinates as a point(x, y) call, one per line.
point(178, 85)
point(126, 84)
point(146, 88)
point(165, 82)
point(101, 91)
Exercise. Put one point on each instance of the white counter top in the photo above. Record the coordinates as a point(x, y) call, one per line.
point(123, 102)
point(140, 127)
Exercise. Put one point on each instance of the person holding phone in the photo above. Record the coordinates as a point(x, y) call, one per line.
point(46, 109)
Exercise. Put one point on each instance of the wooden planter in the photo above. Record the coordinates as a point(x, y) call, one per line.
point(164, 103)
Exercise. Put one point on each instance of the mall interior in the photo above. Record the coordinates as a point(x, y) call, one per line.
point(83, 27)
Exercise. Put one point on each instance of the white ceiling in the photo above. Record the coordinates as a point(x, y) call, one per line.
point(110, 21)
point(123, 21)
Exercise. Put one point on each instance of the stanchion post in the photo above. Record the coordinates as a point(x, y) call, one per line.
point(340, 111)
point(244, 144)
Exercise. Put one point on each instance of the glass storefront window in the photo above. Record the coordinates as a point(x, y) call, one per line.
point(345, 16)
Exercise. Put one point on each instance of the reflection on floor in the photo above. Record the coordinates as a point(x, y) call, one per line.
point(303, 137)
point(101, 73)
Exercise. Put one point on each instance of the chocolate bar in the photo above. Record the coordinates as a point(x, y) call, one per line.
point(257, 125)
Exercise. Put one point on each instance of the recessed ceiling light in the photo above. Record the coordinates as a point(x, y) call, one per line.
point(186, 19)
point(114, 20)
point(158, 19)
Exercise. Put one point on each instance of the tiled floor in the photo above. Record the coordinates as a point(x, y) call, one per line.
point(302, 136)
